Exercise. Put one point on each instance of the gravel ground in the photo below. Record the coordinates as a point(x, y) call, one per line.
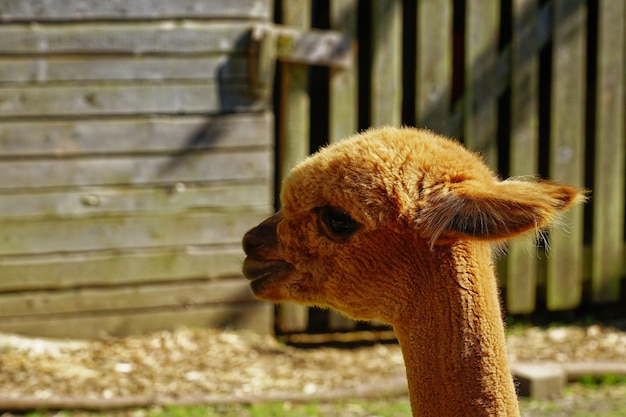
point(192, 365)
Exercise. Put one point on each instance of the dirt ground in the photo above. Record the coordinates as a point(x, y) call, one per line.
point(212, 366)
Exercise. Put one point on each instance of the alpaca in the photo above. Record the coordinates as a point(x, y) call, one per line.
point(399, 224)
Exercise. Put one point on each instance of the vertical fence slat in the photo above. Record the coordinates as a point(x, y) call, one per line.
point(343, 104)
point(293, 141)
point(386, 78)
point(434, 64)
point(522, 265)
point(608, 191)
point(481, 52)
point(565, 263)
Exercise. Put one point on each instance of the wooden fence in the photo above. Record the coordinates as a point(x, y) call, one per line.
point(536, 86)
point(137, 143)
point(133, 157)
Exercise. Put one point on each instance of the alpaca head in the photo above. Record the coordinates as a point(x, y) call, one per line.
point(356, 214)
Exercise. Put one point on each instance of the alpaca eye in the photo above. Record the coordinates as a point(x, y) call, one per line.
point(336, 223)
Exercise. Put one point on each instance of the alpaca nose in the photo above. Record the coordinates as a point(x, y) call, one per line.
point(262, 238)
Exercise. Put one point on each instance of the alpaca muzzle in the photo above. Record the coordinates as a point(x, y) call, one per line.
point(262, 265)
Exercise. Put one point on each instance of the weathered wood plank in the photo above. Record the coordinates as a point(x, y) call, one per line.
point(149, 134)
point(524, 153)
point(610, 141)
point(295, 101)
point(166, 199)
point(481, 52)
point(386, 76)
point(125, 99)
point(293, 139)
point(178, 294)
point(256, 316)
point(120, 267)
point(567, 136)
point(196, 166)
point(434, 64)
point(133, 9)
point(124, 232)
point(229, 68)
point(343, 101)
point(138, 38)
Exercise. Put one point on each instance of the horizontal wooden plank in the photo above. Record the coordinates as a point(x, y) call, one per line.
point(125, 267)
point(125, 99)
point(257, 316)
point(167, 199)
point(122, 68)
point(195, 166)
point(124, 232)
point(176, 294)
point(138, 135)
point(134, 9)
point(138, 38)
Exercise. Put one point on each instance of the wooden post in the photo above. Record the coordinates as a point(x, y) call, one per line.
point(522, 265)
point(481, 48)
point(293, 140)
point(386, 81)
point(567, 146)
point(434, 64)
point(608, 191)
point(343, 104)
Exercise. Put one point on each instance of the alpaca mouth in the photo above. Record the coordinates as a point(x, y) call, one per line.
point(268, 277)
point(256, 269)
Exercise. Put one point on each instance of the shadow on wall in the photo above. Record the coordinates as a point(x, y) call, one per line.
point(233, 93)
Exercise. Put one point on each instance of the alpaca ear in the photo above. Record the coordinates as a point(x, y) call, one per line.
point(495, 211)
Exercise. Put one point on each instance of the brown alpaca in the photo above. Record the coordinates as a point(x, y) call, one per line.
point(399, 224)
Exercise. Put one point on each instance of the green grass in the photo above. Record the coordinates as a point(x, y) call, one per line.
point(593, 382)
point(395, 407)
point(592, 397)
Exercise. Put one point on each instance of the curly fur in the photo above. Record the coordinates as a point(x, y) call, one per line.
point(428, 213)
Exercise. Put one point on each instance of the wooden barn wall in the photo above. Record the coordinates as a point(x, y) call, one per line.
point(133, 158)
point(536, 87)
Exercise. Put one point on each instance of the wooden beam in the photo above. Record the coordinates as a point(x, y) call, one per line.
point(127, 298)
point(386, 76)
point(610, 152)
point(256, 316)
point(141, 135)
point(129, 170)
point(136, 38)
point(343, 104)
point(434, 64)
point(82, 10)
point(58, 68)
point(481, 52)
point(567, 148)
point(124, 232)
point(125, 99)
point(107, 268)
point(170, 199)
point(521, 265)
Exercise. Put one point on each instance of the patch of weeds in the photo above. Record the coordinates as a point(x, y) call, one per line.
point(178, 411)
point(592, 382)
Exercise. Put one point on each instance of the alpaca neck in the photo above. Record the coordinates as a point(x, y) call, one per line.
point(452, 338)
